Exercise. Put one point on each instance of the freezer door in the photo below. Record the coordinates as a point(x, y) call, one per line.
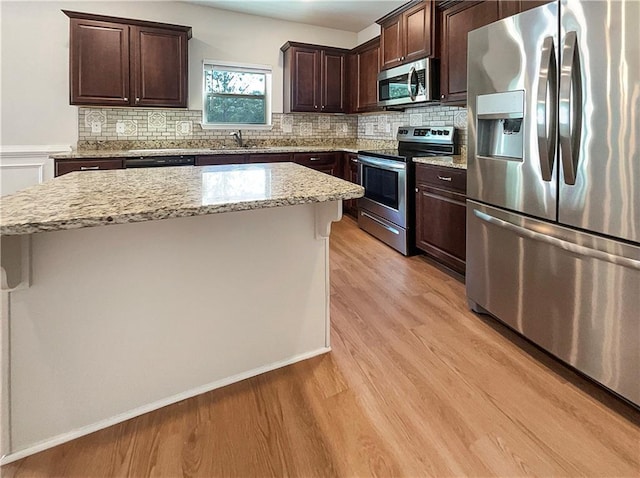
point(599, 121)
point(511, 151)
point(574, 294)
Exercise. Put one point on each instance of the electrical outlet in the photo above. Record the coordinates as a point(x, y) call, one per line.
point(345, 128)
point(120, 127)
point(96, 127)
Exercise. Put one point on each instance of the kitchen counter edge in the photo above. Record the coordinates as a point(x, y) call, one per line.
point(137, 153)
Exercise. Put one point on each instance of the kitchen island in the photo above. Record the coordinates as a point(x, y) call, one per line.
point(127, 290)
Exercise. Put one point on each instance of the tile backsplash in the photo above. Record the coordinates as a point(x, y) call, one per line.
point(127, 128)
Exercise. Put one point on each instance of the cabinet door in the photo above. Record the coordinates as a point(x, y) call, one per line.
point(305, 79)
point(64, 166)
point(270, 158)
point(332, 82)
point(417, 32)
point(441, 225)
point(159, 67)
point(350, 206)
point(391, 42)
point(219, 159)
point(457, 22)
point(99, 63)
point(368, 63)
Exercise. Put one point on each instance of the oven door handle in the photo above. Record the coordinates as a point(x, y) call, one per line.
point(382, 164)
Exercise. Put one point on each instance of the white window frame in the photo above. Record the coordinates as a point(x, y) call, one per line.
point(255, 68)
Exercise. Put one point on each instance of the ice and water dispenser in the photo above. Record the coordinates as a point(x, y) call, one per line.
point(500, 125)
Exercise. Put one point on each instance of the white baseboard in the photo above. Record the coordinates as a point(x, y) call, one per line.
point(58, 440)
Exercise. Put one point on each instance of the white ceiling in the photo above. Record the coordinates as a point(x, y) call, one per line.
point(353, 16)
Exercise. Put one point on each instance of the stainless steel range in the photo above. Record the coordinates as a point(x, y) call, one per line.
point(387, 210)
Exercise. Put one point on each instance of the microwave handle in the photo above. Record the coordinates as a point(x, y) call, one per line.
point(412, 72)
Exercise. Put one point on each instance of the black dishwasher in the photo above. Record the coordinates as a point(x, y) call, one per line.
point(159, 161)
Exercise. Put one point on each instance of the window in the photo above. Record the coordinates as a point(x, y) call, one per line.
point(236, 96)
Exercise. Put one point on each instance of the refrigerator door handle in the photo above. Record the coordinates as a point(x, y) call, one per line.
point(570, 107)
point(546, 108)
point(559, 243)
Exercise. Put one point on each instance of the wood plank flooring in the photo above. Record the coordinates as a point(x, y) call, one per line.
point(416, 385)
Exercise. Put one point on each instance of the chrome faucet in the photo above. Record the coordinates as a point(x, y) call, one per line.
point(238, 137)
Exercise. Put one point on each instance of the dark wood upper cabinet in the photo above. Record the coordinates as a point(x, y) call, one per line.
point(391, 42)
point(408, 34)
point(104, 78)
point(160, 65)
point(513, 7)
point(457, 22)
point(314, 78)
point(364, 66)
point(124, 62)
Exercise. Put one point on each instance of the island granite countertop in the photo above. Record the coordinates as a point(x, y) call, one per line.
point(78, 200)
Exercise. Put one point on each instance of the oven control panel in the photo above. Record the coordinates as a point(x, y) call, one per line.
point(426, 134)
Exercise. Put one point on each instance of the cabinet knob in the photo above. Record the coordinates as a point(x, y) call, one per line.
point(315, 106)
point(402, 58)
point(126, 99)
point(137, 100)
point(322, 107)
point(442, 96)
point(417, 190)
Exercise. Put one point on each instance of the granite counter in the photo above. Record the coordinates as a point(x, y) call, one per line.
point(78, 200)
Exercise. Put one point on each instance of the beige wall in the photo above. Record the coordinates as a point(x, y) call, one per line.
point(35, 48)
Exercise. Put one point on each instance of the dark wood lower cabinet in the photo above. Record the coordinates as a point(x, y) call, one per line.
point(64, 166)
point(324, 162)
point(350, 173)
point(441, 214)
point(269, 158)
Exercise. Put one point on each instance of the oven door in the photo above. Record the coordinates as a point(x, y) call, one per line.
point(385, 188)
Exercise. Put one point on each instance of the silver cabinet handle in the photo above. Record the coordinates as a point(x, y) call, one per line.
point(388, 228)
point(444, 178)
point(570, 107)
point(314, 159)
point(354, 160)
point(559, 243)
point(89, 168)
point(547, 84)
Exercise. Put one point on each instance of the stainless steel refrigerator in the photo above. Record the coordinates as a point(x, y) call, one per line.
point(553, 215)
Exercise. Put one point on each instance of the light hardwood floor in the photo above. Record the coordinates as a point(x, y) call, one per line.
point(416, 385)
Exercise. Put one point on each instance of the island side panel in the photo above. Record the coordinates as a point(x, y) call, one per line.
point(123, 319)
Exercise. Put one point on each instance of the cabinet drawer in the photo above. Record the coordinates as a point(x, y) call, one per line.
point(270, 158)
point(67, 166)
point(315, 159)
point(445, 178)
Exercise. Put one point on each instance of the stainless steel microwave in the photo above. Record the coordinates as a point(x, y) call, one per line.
point(415, 82)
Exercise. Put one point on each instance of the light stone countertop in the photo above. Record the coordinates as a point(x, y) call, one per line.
point(121, 196)
point(136, 153)
point(456, 161)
